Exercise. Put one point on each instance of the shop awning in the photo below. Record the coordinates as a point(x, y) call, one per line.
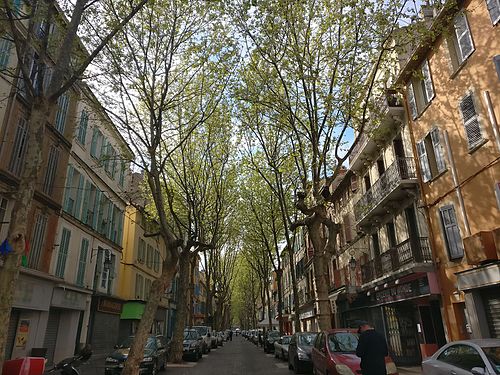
point(132, 310)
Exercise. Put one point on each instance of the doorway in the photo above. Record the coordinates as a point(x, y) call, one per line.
point(402, 334)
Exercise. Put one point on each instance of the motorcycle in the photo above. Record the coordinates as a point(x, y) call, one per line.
point(68, 366)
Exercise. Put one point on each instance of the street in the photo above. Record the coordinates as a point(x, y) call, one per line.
point(235, 357)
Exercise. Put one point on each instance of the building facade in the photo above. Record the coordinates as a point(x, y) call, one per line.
point(453, 97)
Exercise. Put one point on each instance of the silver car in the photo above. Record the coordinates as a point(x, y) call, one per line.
point(281, 347)
point(478, 357)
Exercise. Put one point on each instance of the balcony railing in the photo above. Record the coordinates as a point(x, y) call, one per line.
point(401, 169)
point(363, 140)
point(394, 259)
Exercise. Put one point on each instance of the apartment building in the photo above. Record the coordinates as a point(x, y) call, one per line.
point(453, 97)
point(141, 264)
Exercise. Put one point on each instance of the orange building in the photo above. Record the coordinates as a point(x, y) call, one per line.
point(452, 89)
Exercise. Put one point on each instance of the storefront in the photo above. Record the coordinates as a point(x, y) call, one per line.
point(407, 311)
point(131, 315)
point(308, 320)
point(481, 289)
point(104, 324)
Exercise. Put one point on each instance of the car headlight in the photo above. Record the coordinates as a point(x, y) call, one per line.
point(391, 368)
point(112, 360)
point(343, 370)
point(147, 359)
point(301, 353)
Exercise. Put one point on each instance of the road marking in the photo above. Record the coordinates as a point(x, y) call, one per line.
point(281, 365)
point(185, 364)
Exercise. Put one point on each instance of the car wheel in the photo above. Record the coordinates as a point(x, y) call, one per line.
point(296, 365)
point(154, 370)
point(195, 357)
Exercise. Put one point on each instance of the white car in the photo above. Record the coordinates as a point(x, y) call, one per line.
point(478, 357)
point(206, 334)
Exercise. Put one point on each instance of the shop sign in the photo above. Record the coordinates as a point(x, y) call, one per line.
point(306, 315)
point(404, 291)
point(109, 306)
point(22, 333)
point(32, 293)
point(69, 299)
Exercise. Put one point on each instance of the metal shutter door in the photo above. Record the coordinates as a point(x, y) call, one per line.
point(49, 341)
point(491, 300)
point(105, 332)
point(11, 333)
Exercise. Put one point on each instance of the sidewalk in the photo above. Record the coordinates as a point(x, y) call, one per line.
point(417, 370)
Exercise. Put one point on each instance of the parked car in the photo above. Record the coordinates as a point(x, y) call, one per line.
point(192, 345)
point(281, 347)
point(155, 356)
point(220, 338)
point(334, 352)
point(299, 351)
point(206, 334)
point(478, 357)
point(270, 338)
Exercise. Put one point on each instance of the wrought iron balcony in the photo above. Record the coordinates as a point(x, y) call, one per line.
point(399, 175)
point(405, 255)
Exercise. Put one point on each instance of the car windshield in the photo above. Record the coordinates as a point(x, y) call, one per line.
point(274, 334)
point(285, 340)
point(493, 355)
point(202, 330)
point(345, 342)
point(190, 335)
point(150, 344)
point(307, 339)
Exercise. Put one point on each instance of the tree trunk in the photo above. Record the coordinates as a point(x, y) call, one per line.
point(269, 317)
point(320, 275)
point(23, 197)
point(158, 288)
point(191, 291)
point(279, 278)
point(295, 291)
point(182, 307)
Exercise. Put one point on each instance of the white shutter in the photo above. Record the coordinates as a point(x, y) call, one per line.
point(429, 89)
point(411, 102)
point(424, 161)
point(438, 150)
point(464, 38)
point(471, 121)
point(494, 9)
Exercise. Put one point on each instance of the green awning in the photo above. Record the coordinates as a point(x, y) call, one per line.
point(132, 310)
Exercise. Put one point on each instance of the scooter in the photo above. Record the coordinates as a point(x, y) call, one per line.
point(68, 366)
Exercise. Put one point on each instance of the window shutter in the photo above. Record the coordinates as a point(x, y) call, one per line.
point(424, 161)
point(97, 204)
point(494, 9)
point(451, 232)
point(63, 103)
point(93, 145)
point(85, 204)
point(438, 150)
point(37, 241)
point(120, 228)
point(50, 174)
point(82, 129)
point(5, 47)
point(464, 38)
point(471, 122)
point(69, 183)
point(63, 253)
point(79, 194)
point(82, 262)
point(429, 89)
point(347, 228)
point(411, 102)
point(19, 149)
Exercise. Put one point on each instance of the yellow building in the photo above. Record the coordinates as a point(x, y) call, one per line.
point(143, 254)
point(453, 98)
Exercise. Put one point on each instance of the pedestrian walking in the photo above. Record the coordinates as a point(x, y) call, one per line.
point(372, 349)
point(230, 335)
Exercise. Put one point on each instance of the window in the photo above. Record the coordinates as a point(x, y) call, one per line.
point(37, 240)
point(90, 198)
point(460, 43)
point(147, 288)
point(431, 155)
point(156, 264)
point(62, 112)
point(451, 230)
point(471, 122)
point(121, 179)
point(5, 48)
point(82, 262)
point(494, 9)
point(96, 144)
point(3, 211)
point(462, 356)
point(63, 253)
point(50, 174)
point(420, 90)
point(19, 149)
point(82, 128)
point(139, 286)
point(149, 256)
point(75, 186)
point(141, 253)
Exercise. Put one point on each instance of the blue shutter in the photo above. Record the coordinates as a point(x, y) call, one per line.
point(5, 47)
point(85, 205)
point(69, 182)
point(93, 145)
point(62, 112)
point(63, 253)
point(97, 204)
point(82, 262)
point(79, 194)
point(119, 240)
point(82, 129)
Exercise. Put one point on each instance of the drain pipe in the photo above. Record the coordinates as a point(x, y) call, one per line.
point(491, 115)
point(455, 182)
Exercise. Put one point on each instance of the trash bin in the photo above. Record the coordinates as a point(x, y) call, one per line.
point(24, 366)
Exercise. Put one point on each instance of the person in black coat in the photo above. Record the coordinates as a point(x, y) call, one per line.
point(372, 349)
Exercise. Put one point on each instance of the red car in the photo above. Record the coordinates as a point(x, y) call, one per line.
point(334, 352)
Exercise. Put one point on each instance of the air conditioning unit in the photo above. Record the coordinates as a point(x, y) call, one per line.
point(481, 247)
